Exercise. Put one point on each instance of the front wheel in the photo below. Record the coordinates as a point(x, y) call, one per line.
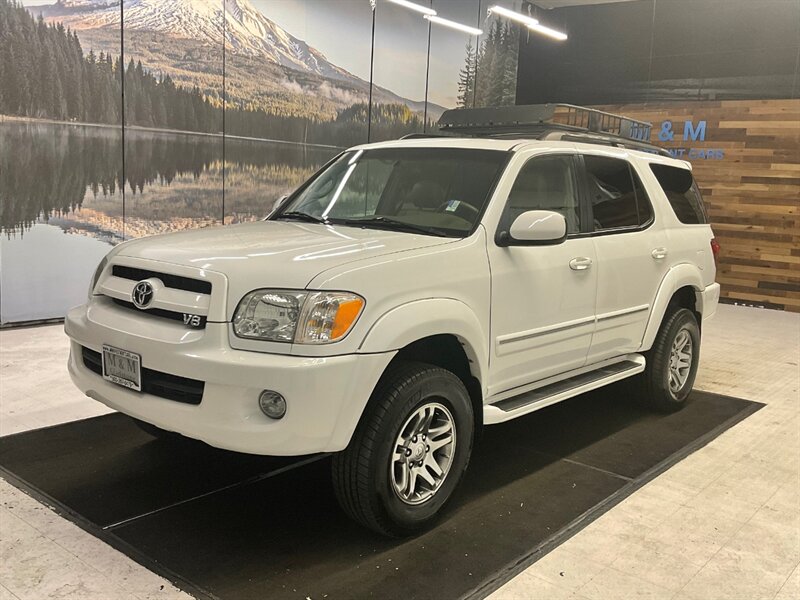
point(671, 363)
point(409, 451)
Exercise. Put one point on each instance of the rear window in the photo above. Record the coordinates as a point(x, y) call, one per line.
point(682, 192)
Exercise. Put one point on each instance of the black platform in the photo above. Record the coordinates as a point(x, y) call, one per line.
point(228, 526)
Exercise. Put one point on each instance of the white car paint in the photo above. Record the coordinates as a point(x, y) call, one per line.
point(524, 316)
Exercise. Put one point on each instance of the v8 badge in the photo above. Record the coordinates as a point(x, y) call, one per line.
point(194, 321)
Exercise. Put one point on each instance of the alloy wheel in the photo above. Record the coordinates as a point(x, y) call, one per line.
point(423, 453)
point(680, 360)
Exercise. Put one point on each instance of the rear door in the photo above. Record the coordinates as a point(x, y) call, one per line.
point(631, 252)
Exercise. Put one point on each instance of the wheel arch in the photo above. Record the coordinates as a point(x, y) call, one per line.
point(682, 287)
point(441, 331)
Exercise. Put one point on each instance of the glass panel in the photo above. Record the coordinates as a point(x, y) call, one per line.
point(450, 53)
point(297, 84)
point(401, 49)
point(60, 156)
point(173, 115)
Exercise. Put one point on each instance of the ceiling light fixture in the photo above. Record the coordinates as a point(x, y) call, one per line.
point(513, 15)
point(553, 33)
point(416, 7)
point(529, 22)
point(454, 25)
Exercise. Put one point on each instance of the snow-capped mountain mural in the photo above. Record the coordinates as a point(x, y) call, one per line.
point(162, 33)
point(247, 30)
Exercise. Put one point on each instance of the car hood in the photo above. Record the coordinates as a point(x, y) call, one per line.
point(286, 254)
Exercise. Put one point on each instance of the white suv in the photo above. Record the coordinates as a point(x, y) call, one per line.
point(408, 294)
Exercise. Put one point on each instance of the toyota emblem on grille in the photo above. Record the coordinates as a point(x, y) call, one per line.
point(142, 294)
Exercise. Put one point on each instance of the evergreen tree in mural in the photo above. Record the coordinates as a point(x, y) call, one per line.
point(466, 79)
point(490, 75)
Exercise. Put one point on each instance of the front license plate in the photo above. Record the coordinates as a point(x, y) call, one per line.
point(122, 367)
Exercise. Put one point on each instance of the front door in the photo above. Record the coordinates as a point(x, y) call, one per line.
point(542, 315)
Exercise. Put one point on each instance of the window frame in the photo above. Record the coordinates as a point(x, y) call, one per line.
point(587, 199)
point(579, 196)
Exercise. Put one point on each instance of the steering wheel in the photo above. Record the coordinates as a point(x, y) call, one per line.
point(470, 213)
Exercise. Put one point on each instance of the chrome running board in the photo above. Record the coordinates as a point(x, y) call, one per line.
point(585, 381)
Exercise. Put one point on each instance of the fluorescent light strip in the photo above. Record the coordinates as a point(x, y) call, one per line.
point(548, 32)
point(412, 6)
point(454, 25)
point(513, 15)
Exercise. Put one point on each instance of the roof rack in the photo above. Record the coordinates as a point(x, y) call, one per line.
point(420, 136)
point(551, 121)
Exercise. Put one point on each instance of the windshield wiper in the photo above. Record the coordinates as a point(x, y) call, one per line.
point(301, 216)
point(394, 224)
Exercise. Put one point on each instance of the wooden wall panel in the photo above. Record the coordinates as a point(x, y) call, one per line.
point(752, 194)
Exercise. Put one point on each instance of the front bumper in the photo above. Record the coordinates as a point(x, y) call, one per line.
point(325, 395)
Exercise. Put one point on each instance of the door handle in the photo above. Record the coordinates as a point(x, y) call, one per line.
point(659, 253)
point(580, 263)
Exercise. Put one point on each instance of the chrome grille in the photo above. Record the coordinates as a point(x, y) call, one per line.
point(177, 282)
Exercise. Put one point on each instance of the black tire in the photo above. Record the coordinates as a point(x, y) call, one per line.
point(156, 432)
point(652, 387)
point(363, 472)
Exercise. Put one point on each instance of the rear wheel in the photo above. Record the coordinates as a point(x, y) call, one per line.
point(671, 363)
point(409, 451)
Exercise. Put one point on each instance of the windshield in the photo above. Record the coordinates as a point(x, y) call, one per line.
point(438, 191)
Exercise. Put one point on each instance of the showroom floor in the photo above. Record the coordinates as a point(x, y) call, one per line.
point(723, 523)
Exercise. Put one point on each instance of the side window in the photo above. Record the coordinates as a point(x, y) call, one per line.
point(545, 183)
point(616, 194)
point(682, 193)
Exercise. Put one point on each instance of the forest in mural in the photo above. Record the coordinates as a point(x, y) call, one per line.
point(496, 61)
point(44, 73)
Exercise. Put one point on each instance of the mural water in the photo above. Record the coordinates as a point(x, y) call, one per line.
point(58, 179)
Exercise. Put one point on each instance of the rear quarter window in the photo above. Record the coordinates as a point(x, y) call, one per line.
point(682, 192)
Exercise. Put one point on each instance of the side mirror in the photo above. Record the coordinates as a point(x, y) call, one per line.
point(535, 228)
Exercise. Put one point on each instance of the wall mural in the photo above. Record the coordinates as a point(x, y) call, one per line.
point(229, 104)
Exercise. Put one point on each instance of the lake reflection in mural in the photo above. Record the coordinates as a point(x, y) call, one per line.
point(69, 177)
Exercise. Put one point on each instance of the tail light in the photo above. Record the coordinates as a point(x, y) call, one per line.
point(715, 249)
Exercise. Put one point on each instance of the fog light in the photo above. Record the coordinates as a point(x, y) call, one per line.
point(272, 404)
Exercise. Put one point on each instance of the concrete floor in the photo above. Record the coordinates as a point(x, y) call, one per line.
point(722, 524)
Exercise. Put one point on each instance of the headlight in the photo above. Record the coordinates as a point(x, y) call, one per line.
point(268, 315)
point(296, 316)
